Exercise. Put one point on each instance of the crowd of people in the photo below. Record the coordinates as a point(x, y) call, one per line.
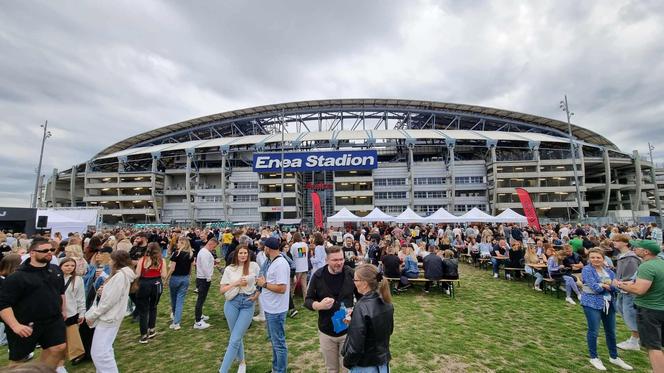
point(69, 295)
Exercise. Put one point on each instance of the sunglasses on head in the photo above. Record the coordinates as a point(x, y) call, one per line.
point(44, 251)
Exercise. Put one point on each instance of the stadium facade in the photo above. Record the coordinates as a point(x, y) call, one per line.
point(227, 167)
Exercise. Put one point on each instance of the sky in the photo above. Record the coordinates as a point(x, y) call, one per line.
point(100, 72)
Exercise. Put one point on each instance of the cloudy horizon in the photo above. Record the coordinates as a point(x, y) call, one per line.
point(103, 72)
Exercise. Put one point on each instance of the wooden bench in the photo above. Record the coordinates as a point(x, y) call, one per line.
point(452, 284)
point(466, 258)
point(510, 269)
point(484, 263)
point(550, 286)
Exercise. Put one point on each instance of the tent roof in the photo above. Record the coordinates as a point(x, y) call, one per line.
point(377, 215)
point(441, 216)
point(409, 216)
point(477, 215)
point(511, 216)
point(344, 215)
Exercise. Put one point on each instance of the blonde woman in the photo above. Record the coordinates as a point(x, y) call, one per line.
point(178, 274)
point(76, 252)
point(531, 257)
point(410, 268)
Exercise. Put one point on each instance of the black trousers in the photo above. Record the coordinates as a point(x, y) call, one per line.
point(147, 299)
point(203, 286)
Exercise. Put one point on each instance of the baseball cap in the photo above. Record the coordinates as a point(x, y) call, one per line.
point(272, 242)
point(649, 245)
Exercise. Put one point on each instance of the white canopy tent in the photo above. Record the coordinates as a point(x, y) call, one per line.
point(477, 215)
point(377, 215)
point(344, 215)
point(510, 216)
point(409, 216)
point(63, 224)
point(441, 216)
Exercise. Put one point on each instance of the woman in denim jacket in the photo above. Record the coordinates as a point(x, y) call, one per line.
point(598, 301)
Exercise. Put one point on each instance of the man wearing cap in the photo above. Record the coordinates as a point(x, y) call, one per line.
point(626, 266)
point(274, 297)
point(649, 300)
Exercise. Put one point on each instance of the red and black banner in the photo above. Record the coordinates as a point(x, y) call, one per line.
point(318, 213)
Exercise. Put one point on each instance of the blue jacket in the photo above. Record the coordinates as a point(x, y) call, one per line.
point(592, 280)
point(410, 265)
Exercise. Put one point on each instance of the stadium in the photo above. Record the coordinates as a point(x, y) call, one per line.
point(261, 165)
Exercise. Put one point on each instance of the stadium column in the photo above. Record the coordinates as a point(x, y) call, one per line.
point(88, 168)
point(638, 179)
point(72, 187)
point(618, 192)
point(153, 186)
point(607, 181)
point(452, 189)
point(494, 165)
point(411, 181)
point(187, 185)
point(534, 147)
point(224, 153)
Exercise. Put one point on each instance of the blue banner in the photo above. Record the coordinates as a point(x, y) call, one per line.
point(317, 161)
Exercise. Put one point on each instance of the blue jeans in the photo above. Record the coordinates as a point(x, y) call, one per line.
point(538, 276)
point(379, 369)
point(178, 289)
point(625, 307)
point(496, 264)
point(570, 286)
point(276, 330)
point(593, 317)
point(238, 311)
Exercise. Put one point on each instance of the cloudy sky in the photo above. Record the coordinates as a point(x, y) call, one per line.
point(100, 72)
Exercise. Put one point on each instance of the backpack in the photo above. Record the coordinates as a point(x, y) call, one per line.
point(291, 263)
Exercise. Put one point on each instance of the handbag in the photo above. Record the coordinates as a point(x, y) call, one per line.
point(133, 288)
point(75, 347)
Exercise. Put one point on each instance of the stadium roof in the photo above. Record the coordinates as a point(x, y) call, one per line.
point(228, 119)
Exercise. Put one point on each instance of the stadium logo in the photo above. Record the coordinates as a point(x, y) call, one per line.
point(316, 161)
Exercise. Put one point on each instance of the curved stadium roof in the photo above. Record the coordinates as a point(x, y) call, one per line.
point(415, 114)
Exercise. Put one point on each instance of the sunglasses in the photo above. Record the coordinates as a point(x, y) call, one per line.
point(44, 251)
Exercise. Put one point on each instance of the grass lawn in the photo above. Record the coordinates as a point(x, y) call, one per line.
point(493, 325)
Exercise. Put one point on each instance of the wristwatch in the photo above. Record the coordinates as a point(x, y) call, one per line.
point(264, 285)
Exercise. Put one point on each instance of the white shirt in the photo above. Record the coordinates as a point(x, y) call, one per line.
point(277, 274)
point(204, 264)
point(299, 251)
point(233, 273)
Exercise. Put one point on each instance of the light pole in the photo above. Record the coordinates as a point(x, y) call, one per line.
point(282, 168)
point(565, 107)
point(45, 136)
point(658, 203)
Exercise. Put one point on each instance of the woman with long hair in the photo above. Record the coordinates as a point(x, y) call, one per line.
point(238, 284)
point(151, 271)
point(598, 301)
point(178, 273)
point(531, 257)
point(367, 344)
point(107, 312)
point(74, 301)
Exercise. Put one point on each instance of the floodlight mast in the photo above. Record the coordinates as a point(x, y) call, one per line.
point(46, 135)
point(565, 107)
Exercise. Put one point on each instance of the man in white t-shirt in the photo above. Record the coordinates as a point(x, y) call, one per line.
point(274, 299)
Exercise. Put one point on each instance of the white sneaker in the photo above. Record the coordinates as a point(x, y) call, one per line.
point(571, 301)
point(630, 344)
point(508, 276)
point(258, 318)
point(174, 326)
point(619, 362)
point(447, 291)
point(201, 325)
point(537, 289)
point(61, 369)
point(242, 368)
point(495, 275)
point(171, 315)
point(597, 363)
point(205, 318)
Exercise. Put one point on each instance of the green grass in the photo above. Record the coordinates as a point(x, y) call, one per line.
point(492, 325)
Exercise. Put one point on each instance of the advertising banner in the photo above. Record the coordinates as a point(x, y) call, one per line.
point(318, 212)
point(528, 208)
point(343, 160)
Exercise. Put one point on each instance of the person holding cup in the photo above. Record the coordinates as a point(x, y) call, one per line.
point(598, 301)
point(238, 284)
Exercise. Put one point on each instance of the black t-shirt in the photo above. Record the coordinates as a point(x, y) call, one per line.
point(182, 262)
point(349, 253)
point(334, 282)
point(137, 252)
point(391, 266)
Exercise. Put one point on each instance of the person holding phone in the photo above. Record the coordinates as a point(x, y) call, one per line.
point(238, 284)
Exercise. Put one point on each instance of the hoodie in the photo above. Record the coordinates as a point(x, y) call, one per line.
point(111, 307)
point(34, 293)
point(626, 266)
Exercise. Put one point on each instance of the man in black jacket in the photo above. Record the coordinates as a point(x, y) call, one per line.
point(32, 305)
point(433, 267)
point(329, 288)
